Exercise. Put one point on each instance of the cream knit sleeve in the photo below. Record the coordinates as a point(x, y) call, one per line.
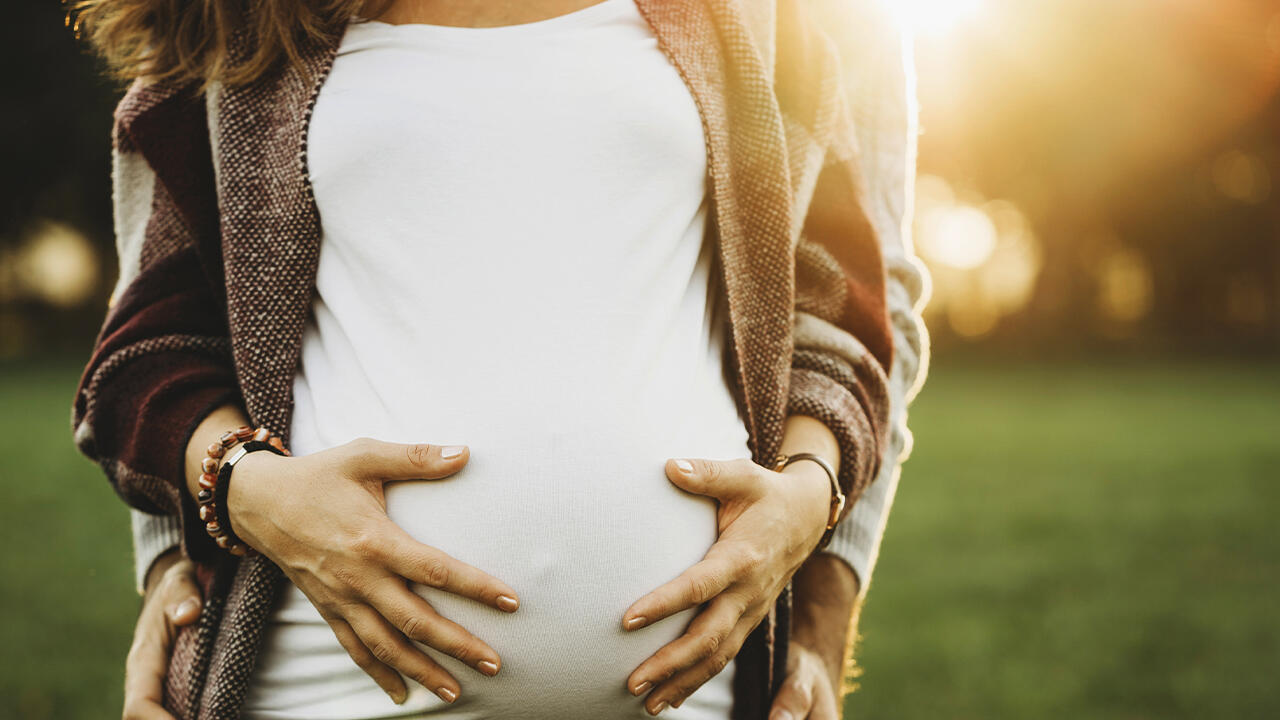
point(879, 76)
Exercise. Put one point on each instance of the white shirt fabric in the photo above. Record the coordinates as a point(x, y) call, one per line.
point(513, 258)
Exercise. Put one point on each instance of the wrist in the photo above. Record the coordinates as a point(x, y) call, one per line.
point(207, 433)
point(805, 434)
point(244, 501)
point(814, 490)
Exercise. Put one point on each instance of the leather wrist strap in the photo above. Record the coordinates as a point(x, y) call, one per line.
point(837, 495)
point(224, 486)
point(212, 509)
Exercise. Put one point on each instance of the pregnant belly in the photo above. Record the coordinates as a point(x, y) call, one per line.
point(581, 525)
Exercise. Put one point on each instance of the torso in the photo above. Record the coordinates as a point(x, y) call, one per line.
point(513, 257)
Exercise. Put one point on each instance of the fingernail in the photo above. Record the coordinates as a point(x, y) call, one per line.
point(660, 707)
point(685, 465)
point(641, 688)
point(508, 603)
point(488, 668)
point(188, 605)
point(635, 622)
point(448, 452)
point(398, 697)
point(781, 714)
point(447, 694)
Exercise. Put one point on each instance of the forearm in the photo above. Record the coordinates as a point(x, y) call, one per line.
point(206, 433)
point(802, 433)
point(823, 618)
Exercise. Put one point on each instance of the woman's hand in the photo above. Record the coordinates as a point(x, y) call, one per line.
point(768, 522)
point(323, 519)
point(807, 691)
point(171, 600)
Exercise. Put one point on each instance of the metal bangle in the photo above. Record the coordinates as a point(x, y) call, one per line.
point(837, 495)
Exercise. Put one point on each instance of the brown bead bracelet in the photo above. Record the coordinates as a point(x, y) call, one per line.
point(210, 466)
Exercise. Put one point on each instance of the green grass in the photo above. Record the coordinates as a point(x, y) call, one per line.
point(1068, 542)
point(1082, 542)
point(67, 599)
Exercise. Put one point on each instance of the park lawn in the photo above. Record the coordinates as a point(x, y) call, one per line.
point(1082, 542)
point(1078, 541)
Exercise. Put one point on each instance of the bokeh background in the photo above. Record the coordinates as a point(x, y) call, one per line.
point(1087, 525)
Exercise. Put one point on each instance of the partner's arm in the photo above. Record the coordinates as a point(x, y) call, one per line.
point(879, 75)
point(878, 72)
point(162, 357)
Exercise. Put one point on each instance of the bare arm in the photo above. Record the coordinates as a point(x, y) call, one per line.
point(206, 433)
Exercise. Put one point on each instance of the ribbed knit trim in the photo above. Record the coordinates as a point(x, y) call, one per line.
point(857, 540)
point(152, 536)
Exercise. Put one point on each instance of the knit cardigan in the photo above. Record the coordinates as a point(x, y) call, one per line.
point(878, 78)
point(218, 234)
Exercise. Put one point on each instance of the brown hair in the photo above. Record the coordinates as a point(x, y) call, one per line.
point(184, 41)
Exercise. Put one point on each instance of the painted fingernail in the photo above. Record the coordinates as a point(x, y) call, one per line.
point(635, 622)
point(488, 668)
point(508, 603)
point(659, 708)
point(448, 452)
point(685, 465)
point(642, 688)
point(447, 695)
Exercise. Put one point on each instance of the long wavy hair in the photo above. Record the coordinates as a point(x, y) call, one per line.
point(185, 41)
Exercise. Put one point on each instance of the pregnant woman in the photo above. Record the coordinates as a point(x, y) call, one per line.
point(577, 341)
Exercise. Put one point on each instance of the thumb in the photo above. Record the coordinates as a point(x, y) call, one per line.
point(182, 595)
point(184, 612)
point(386, 461)
point(723, 479)
point(794, 700)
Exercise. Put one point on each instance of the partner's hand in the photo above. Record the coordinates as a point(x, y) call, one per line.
point(768, 522)
point(323, 519)
point(171, 600)
point(807, 691)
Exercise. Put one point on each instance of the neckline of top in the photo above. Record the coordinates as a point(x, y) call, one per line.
point(575, 17)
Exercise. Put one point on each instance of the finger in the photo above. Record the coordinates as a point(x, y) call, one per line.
point(725, 563)
point(704, 636)
point(147, 662)
point(423, 564)
point(674, 690)
point(825, 704)
point(387, 461)
point(181, 595)
point(415, 617)
point(386, 676)
point(390, 646)
point(795, 698)
point(723, 479)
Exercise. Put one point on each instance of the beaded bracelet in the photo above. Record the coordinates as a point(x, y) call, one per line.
point(216, 523)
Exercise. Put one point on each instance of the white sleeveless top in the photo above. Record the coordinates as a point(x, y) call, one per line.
point(513, 259)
